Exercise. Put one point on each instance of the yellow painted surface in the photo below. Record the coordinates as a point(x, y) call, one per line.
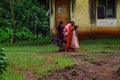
point(81, 17)
point(118, 13)
point(52, 18)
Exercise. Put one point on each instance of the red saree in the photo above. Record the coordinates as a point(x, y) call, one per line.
point(69, 37)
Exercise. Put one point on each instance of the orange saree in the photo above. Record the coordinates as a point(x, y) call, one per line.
point(69, 37)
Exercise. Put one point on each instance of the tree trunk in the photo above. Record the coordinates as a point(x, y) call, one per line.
point(13, 22)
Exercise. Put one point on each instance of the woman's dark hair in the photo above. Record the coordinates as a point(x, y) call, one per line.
point(72, 22)
point(61, 22)
point(75, 27)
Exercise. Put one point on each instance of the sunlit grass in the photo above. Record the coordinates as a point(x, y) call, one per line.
point(25, 57)
point(101, 45)
point(56, 63)
point(10, 74)
point(94, 58)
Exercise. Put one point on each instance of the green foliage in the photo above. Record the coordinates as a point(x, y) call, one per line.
point(24, 34)
point(6, 30)
point(5, 34)
point(3, 61)
point(30, 18)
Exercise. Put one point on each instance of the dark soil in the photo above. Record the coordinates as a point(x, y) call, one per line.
point(86, 70)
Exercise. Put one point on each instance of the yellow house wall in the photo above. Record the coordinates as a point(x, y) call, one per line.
point(81, 17)
point(118, 13)
point(109, 31)
point(52, 18)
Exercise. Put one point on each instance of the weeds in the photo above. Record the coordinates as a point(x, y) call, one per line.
point(93, 58)
point(118, 70)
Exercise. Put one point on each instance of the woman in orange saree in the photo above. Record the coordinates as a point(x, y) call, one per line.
point(72, 41)
point(69, 38)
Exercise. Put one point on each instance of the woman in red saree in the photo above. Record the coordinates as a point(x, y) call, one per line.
point(72, 41)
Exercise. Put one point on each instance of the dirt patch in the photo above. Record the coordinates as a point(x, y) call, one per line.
point(85, 70)
point(108, 54)
point(111, 62)
point(30, 75)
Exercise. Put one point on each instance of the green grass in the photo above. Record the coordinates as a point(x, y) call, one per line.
point(42, 58)
point(94, 58)
point(101, 45)
point(118, 69)
point(32, 57)
point(24, 58)
point(10, 74)
point(63, 62)
point(57, 63)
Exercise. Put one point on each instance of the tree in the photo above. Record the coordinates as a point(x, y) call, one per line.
point(13, 21)
point(8, 4)
point(25, 19)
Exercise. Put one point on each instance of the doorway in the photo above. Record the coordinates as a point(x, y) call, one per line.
point(62, 11)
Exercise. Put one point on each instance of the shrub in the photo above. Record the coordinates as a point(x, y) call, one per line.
point(30, 18)
point(3, 61)
point(23, 34)
point(5, 34)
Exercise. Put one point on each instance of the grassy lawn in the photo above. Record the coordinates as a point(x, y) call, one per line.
point(101, 45)
point(37, 58)
point(41, 59)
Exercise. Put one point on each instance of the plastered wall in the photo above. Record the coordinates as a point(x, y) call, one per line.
point(81, 16)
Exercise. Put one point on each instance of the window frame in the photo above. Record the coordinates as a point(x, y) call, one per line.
point(105, 11)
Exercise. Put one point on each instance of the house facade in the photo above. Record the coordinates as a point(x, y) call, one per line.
point(94, 18)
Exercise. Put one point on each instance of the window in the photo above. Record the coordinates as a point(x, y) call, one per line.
point(106, 9)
